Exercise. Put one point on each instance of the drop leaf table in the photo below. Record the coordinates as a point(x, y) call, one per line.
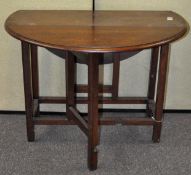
point(94, 34)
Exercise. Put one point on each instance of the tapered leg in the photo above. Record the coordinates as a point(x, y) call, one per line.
point(93, 137)
point(70, 82)
point(116, 70)
point(152, 77)
point(160, 92)
point(28, 90)
point(35, 76)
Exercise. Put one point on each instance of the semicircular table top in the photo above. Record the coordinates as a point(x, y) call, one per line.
point(101, 31)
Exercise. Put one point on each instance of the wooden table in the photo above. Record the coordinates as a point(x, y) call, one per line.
point(95, 33)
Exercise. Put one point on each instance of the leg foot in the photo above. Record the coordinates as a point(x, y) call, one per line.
point(157, 132)
point(92, 159)
point(31, 137)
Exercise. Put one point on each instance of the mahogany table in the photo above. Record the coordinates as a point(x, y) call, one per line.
point(94, 34)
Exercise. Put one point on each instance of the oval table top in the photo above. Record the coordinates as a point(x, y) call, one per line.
point(101, 31)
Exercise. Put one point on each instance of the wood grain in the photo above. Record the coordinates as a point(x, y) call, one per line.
point(108, 31)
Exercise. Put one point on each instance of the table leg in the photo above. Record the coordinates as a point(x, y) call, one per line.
point(116, 71)
point(93, 135)
point(28, 90)
point(164, 54)
point(70, 68)
point(152, 78)
point(35, 77)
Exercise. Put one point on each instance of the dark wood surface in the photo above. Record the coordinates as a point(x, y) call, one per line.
point(35, 76)
point(93, 119)
point(160, 94)
point(116, 72)
point(105, 31)
point(108, 31)
point(102, 100)
point(152, 78)
point(70, 72)
point(28, 90)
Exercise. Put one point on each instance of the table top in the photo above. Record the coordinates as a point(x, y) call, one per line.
point(102, 31)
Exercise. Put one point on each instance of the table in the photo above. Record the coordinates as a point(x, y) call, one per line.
point(94, 33)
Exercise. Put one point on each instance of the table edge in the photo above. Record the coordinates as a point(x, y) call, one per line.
point(104, 49)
